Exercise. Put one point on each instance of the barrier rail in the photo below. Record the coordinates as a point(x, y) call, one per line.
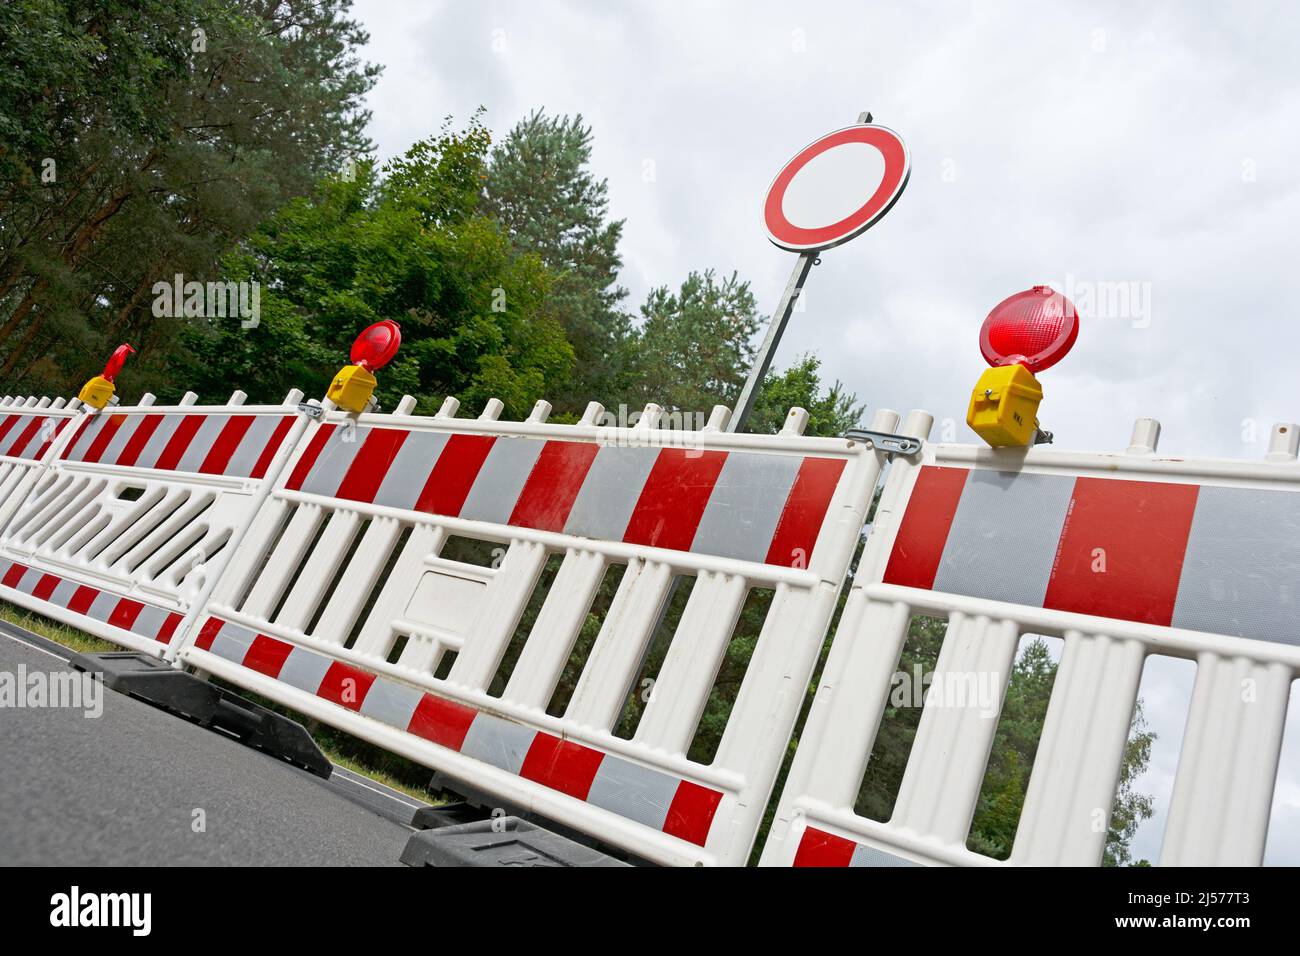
point(134, 510)
point(349, 601)
point(1121, 555)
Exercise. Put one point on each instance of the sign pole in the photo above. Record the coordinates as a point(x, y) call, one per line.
point(776, 328)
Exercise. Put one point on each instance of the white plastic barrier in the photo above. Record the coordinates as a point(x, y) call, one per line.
point(136, 509)
point(1121, 555)
point(341, 604)
point(29, 429)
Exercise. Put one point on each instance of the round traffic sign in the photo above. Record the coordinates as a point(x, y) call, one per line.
point(836, 188)
point(1034, 328)
point(376, 345)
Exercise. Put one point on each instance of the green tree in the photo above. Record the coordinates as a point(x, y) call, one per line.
point(407, 243)
point(831, 411)
point(541, 190)
point(144, 139)
point(695, 346)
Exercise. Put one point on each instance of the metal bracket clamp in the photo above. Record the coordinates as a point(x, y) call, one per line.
point(310, 409)
point(886, 442)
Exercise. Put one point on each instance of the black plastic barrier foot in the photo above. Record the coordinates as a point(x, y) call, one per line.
point(153, 681)
point(501, 841)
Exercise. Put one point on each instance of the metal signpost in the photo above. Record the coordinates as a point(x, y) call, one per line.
point(834, 189)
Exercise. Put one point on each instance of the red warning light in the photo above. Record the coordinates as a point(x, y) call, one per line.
point(376, 346)
point(1034, 328)
point(117, 360)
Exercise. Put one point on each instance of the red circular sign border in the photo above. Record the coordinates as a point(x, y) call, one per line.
point(898, 168)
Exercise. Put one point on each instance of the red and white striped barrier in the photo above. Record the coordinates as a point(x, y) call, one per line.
point(1122, 556)
point(125, 527)
point(29, 428)
point(344, 603)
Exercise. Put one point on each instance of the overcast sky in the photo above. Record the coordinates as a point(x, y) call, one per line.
point(1151, 149)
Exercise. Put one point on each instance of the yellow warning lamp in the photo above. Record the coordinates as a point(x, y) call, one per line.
point(1025, 333)
point(98, 392)
point(373, 349)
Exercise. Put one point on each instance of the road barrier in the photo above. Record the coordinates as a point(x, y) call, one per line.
point(546, 614)
point(1121, 555)
point(354, 599)
point(131, 512)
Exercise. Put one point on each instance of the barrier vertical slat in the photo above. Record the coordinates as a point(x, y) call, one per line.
point(1080, 752)
point(1219, 811)
point(286, 557)
point(942, 781)
point(377, 633)
point(253, 553)
point(601, 691)
point(358, 580)
point(690, 667)
point(502, 605)
point(319, 570)
point(541, 662)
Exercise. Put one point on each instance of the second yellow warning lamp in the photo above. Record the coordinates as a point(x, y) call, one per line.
point(1024, 334)
point(98, 392)
point(373, 349)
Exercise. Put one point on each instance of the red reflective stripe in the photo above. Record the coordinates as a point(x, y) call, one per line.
point(553, 484)
point(691, 813)
point(211, 628)
point(1121, 549)
point(819, 848)
point(441, 721)
point(168, 629)
point(303, 468)
point(453, 475)
point(334, 685)
point(805, 510)
point(139, 438)
point(102, 438)
point(228, 439)
point(179, 442)
point(45, 587)
point(267, 655)
point(674, 497)
point(81, 430)
point(82, 599)
point(10, 421)
point(13, 576)
point(923, 532)
point(25, 436)
point(125, 613)
point(368, 468)
point(272, 446)
point(58, 430)
point(561, 765)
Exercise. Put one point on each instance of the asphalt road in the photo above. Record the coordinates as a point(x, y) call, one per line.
point(123, 789)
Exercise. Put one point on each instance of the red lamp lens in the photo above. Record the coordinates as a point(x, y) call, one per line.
point(1034, 328)
point(376, 346)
